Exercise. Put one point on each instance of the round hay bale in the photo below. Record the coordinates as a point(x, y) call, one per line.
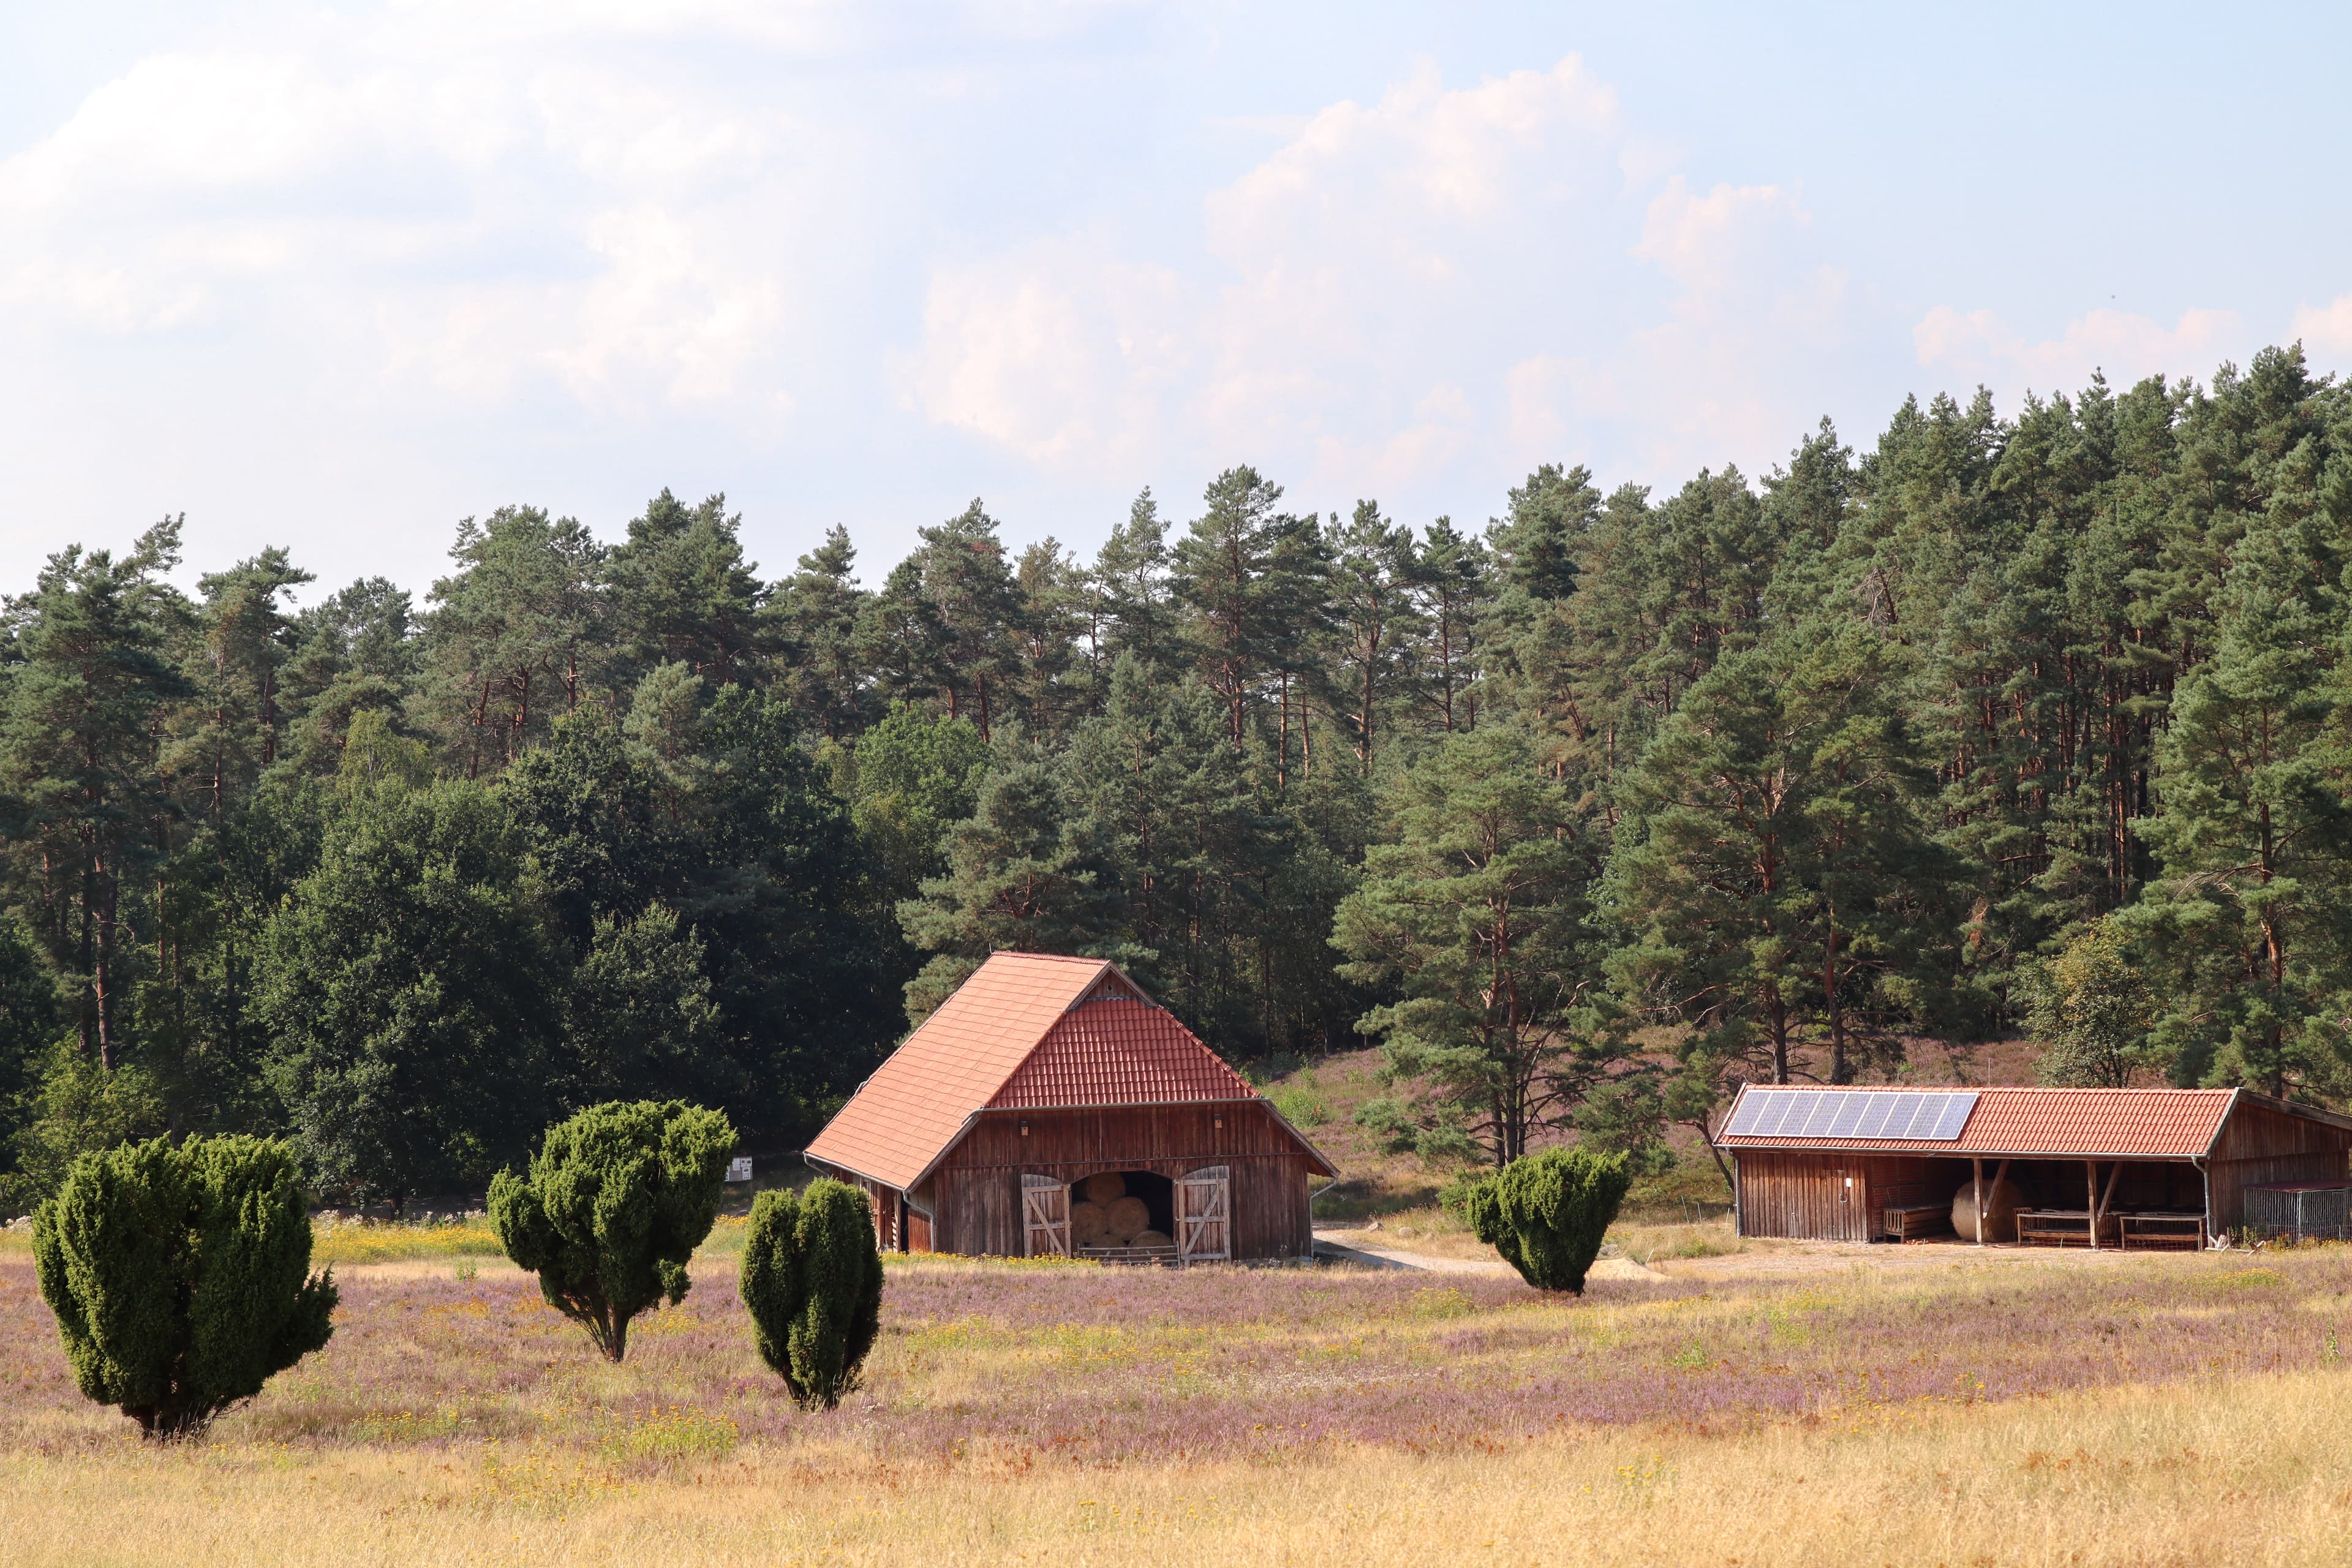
point(2002, 1200)
point(1151, 1238)
point(1106, 1189)
point(1124, 1218)
point(1088, 1223)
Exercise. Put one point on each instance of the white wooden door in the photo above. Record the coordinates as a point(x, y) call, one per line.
point(1205, 1215)
point(1045, 1216)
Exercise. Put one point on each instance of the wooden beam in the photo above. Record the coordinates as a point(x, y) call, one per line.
point(1979, 1164)
point(2091, 1200)
point(2107, 1198)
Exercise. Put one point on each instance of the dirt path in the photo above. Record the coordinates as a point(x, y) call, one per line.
point(1355, 1250)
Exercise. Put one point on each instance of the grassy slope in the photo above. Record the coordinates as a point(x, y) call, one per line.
point(2022, 1411)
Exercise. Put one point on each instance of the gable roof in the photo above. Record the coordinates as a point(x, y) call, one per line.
point(2176, 1123)
point(1028, 1030)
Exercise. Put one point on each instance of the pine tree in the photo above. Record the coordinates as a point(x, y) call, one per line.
point(1477, 911)
point(2254, 834)
point(682, 593)
point(1776, 869)
point(817, 611)
point(518, 635)
point(90, 685)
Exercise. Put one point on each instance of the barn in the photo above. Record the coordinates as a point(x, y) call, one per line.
point(2085, 1167)
point(1049, 1107)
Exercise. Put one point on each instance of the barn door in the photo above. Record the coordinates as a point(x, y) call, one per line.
point(1045, 1216)
point(1205, 1215)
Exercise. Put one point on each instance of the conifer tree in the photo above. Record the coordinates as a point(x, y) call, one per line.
point(181, 1276)
point(812, 1281)
point(1477, 912)
point(616, 1200)
point(2254, 834)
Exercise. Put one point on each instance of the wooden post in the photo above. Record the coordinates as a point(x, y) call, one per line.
point(2091, 1201)
point(1979, 1164)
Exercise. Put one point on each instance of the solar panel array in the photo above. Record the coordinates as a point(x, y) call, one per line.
point(1928, 1115)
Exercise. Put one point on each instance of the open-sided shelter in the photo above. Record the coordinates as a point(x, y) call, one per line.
point(2094, 1166)
point(1044, 1073)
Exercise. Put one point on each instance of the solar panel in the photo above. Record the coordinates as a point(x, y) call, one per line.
point(1921, 1115)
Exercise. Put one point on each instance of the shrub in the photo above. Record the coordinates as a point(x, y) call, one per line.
point(813, 1282)
point(181, 1277)
point(618, 1198)
point(1546, 1214)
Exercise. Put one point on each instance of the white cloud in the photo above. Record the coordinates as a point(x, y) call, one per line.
point(1434, 277)
point(483, 218)
point(1977, 347)
point(2327, 327)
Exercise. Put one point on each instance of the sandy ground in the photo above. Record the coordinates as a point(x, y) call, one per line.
point(1355, 1247)
point(1767, 1261)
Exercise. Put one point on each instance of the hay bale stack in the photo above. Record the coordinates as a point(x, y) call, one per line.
point(1088, 1223)
point(1125, 1220)
point(1151, 1238)
point(1106, 1189)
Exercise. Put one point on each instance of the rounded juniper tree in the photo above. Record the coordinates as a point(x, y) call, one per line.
point(181, 1277)
point(617, 1199)
point(813, 1282)
point(1546, 1213)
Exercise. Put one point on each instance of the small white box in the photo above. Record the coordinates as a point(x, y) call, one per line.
point(739, 1168)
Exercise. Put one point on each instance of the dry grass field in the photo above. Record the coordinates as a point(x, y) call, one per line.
point(1957, 1410)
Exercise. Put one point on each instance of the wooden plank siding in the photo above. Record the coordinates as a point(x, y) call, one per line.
point(885, 1203)
point(2259, 1145)
point(973, 1196)
point(1804, 1194)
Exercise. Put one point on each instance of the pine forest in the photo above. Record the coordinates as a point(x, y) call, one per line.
point(2031, 724)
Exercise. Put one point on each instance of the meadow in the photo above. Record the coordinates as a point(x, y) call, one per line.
point(2007, 1410)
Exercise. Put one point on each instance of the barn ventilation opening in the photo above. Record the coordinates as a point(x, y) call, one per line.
point(1123, 1210)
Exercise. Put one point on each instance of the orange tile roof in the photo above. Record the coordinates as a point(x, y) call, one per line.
point(1023, 1032)
point(2078, 1122)
point(910, 1110)
point(1118, 1051)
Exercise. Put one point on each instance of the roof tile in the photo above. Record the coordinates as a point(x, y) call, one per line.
point(912, 1109)
point(1118, 1051)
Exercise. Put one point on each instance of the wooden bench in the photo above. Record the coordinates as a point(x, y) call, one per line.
point(1910, 1222)
point(2060, 1227)
point(2164, 1228)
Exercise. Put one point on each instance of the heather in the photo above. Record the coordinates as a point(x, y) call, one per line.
point(1015, 1365)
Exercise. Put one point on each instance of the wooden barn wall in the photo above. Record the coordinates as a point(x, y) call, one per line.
point(1802, 1194)
point(2259, 1145)
point(976, 1195)
point(885, 1203)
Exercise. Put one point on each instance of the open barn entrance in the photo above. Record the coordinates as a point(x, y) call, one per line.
point(1123, 1213)
point(2045, 1202)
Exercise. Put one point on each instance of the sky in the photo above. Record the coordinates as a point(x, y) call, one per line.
point(337, 275)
